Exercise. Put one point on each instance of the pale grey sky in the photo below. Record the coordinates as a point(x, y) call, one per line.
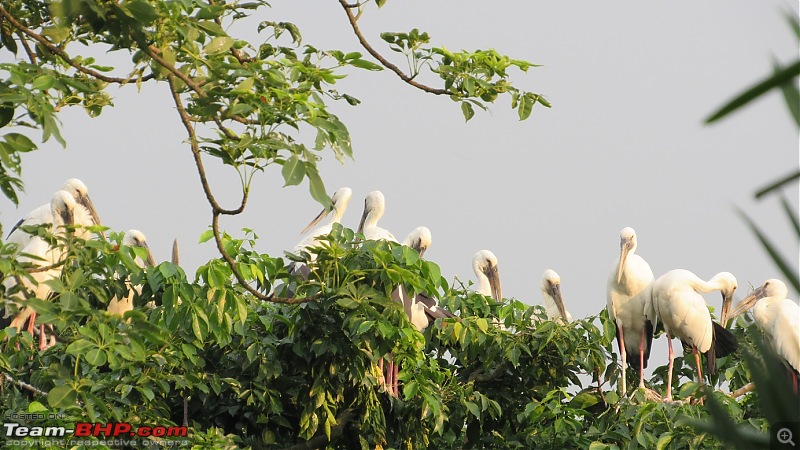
point(623, 145)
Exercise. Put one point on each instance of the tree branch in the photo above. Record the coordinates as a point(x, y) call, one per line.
point(320, 440)
point(24, 385)
point(216, 209)
point(749, 387)
point(61, 53)
point(352, 19)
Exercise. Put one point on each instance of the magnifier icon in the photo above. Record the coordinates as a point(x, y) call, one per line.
point(785, 436)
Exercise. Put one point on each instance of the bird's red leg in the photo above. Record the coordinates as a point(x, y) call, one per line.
point(641, 360)
point(32, 320)
point(699, 371)
point(396, 385)
point(42, 338)
point(669, 368)
point(624, 357)
point(697, 361)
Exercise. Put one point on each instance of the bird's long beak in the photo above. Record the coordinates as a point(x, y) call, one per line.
point(624, 248)
point(746, 303)
point(176, 259)
point(363, 219)
point(417, 245)
point(150, 260)
point(87, 203)
point(727, 299)
point(316, 220)
point(555, 292)
point(494, 283)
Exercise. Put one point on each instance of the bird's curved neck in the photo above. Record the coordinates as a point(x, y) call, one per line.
point(484, 287)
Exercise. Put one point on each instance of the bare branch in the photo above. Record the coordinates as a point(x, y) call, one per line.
point(28, 50)
point(347, 9)
point(217, 210)
point(749, 387)
point(24, 385)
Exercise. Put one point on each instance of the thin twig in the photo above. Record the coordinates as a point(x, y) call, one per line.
point(24, 385)
point(749, 387)
point(352, 19)
point(216, 209)
point(28, 50)
point(61, 53)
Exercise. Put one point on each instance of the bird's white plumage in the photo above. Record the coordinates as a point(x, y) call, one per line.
point(484, 264)
point(340, 200)
point(682, 309)
point(374, 206)
point(777, 317)
point(133, 238)
point(551, 294)
point(627, 299)
point(39, 252)
point(82, 207)
point(419, 239)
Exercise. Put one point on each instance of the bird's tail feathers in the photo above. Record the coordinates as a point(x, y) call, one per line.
point(725, 341)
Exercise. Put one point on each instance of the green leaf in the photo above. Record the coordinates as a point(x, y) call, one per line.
point(62, 396)
point(777, 79)
point(293, 171)
point(96, 357)
point(788, 271)
point(364, 64)
point(474, 409)
point(36, 407)
point(211, 27)
point(20, 142)
point(380, 3)
point(790, 95)
point(141, 10)
point(316, 187)
point(776, 185)
point(525, 107)
point(6, 114)
point(206, 236)
point(79, 347)
point(663, 441)
point(584, 400)
point(466, 109)
point(43, 82)
point(219, 44)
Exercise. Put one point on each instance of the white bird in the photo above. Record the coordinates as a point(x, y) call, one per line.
point(133, 238)
point(374, 206)
point(339, 200)
point(779, 320)
point(39, 253)
point(484, 264)
point(627, 298)
point(553, 301)
point(683, 311)
point(84, 215)
point(419, 239)
point(420, 309)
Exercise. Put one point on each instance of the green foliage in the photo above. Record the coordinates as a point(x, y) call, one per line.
point(250, 96)
point(258, 374)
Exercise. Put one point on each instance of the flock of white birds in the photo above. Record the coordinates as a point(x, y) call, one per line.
point(636, 300)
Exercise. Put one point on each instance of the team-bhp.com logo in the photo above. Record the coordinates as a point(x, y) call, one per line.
point(96, 430)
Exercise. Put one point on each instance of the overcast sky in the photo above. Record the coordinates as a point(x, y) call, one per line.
point(624, 145)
